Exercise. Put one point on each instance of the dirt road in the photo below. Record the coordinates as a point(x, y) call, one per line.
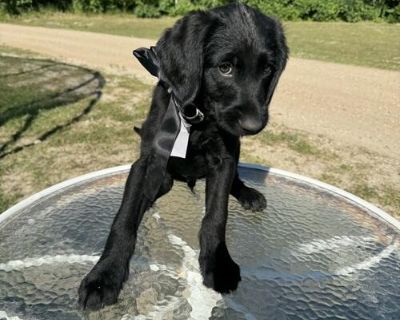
point(351, 105)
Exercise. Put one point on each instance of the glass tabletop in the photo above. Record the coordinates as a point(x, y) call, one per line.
point(313, 253)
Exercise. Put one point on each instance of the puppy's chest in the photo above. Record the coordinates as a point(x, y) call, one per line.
point(204, 151)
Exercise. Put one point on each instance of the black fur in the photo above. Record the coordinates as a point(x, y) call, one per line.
point(194, 55)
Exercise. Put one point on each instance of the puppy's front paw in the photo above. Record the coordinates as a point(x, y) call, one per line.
point(220, 272)
point(101, 286)
point(251, 199)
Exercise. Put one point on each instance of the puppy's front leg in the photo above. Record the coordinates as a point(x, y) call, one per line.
point(104, 282)
point(219, 271)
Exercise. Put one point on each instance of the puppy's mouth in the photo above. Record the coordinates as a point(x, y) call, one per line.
point(236, 129)
point(245, 132)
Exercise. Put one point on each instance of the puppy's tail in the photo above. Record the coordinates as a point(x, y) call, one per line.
point(138, 130)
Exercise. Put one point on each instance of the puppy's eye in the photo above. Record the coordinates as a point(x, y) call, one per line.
point(267, 71)
point(226, 68)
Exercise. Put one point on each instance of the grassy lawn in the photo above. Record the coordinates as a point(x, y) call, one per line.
point(59, 121)
point(366, 44)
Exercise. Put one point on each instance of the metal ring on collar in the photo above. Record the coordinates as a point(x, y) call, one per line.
point(198, 117)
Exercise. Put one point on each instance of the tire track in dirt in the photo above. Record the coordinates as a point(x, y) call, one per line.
point(352, 105)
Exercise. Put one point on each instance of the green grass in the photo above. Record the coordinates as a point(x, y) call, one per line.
point(31, 85)
point(365, 43)
point(7, 201)
point(294, 141)
point(387, 196)
point(391, 197)
point(59, 120)
point(116, 24)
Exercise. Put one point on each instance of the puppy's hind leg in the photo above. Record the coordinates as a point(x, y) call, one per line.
point(249, 198)
point(104, 282)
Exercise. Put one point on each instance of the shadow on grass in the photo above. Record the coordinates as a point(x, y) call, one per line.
point(30, 86)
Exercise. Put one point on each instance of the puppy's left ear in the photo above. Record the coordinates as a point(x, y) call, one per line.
point(180, 52)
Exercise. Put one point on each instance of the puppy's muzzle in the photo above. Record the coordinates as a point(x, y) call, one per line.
point(250, 125)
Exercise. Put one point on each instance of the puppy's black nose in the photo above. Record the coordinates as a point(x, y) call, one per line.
point(251, 125)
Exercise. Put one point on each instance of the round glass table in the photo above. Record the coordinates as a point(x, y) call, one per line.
point(316, 252)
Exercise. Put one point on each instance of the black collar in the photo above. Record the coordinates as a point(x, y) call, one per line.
point(149, 59)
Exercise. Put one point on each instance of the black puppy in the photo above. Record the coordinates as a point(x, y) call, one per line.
point(225, 62)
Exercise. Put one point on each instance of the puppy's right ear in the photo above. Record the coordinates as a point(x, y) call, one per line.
point(180, 52)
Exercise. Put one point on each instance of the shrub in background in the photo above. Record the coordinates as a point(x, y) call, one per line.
point(316, 10)
point(147, 9)
point(16, 6)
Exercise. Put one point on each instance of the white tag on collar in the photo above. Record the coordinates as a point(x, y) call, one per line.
point(181, 142)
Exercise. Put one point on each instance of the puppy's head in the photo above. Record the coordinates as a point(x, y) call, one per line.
point(227, 62)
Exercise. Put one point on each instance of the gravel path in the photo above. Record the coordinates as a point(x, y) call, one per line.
point(352, 105)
